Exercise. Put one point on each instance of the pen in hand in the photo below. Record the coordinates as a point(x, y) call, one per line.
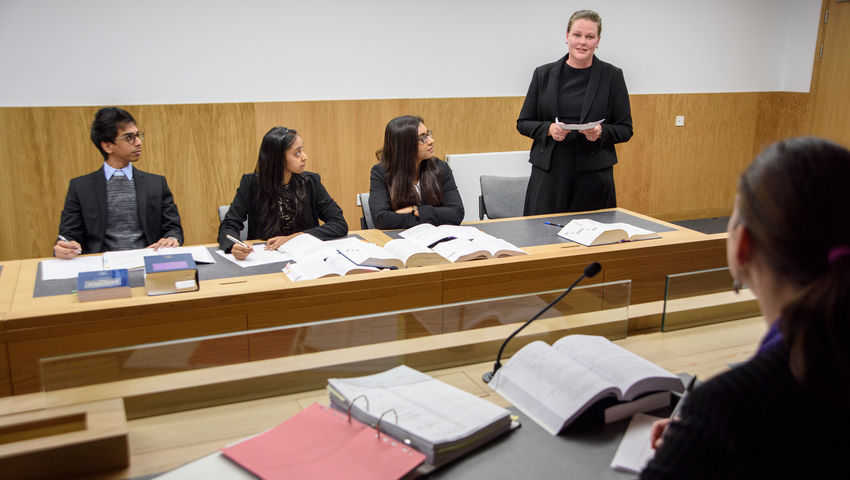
point(61, 237)
point(236, 240)
point(688, 389)
point(553, 224)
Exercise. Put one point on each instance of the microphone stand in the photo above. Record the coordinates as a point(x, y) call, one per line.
point(589, 271)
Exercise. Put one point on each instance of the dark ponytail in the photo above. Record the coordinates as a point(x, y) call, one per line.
point(793, 200)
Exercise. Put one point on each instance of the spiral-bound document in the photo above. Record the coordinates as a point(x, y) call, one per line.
point(320, 442)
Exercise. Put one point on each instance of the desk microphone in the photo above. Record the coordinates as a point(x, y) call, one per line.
point(589, 271)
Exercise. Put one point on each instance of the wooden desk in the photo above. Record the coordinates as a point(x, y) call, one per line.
point(8, 283)
point(48, 326)
point(164, 441)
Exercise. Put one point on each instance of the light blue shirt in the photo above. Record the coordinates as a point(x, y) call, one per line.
point(108, 170)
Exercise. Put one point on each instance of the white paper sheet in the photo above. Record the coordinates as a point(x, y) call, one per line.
point(57, 269)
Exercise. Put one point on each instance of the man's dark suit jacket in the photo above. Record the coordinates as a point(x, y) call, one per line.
point(319, 205)
point(606, 97)
point(84, 215)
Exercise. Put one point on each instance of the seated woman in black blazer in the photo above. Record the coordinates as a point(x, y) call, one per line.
point(280, 199)
point(410, 185)
point(782, 414)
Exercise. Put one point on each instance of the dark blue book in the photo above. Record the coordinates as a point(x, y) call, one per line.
point(170, 274)
point(103, 284)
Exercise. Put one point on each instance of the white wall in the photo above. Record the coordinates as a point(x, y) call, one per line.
point(98, 52)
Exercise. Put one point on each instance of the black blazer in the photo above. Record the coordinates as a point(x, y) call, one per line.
point(84, 214)
point(606, 97)
point(385, 218)
point(755, 421)
point(320, 205)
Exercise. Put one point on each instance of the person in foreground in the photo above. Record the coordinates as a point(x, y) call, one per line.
point(782, 414)
point(573, 170)
point(280, 199)
point(117, 207)
point(410, 185)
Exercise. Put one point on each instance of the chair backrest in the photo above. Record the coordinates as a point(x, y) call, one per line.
point(467, 169)
point(366, 220)
point(502, 197)
point(222, 212)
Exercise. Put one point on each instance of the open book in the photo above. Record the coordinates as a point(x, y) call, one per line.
point(554, 384)
point(398, 253)
point(334, 265)
point(590, 232)
point(460, 243)
point(439, 420)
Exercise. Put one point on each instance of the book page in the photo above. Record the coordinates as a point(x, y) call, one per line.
point(426, 407)
point(578, 126)
point(630, 373)
point(344, 266)
point(426, 234)
point(309, 270)
point(404, 249)
point(259, 256)
point(549, 387)
point(301, 246)
point(461, 250)
point(498, 247)
point(370, 254)
point(57, 269)
point(635, 451)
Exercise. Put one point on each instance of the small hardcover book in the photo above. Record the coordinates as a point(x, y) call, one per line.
point(103, 285)
point(170, 274)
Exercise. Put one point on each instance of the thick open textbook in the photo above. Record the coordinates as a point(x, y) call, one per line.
point(554, 384)
point(398, 253)
point(439, 420)
point(460, 243)
point(590, 232)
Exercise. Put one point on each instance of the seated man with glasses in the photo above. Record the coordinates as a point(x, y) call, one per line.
point(117, 207)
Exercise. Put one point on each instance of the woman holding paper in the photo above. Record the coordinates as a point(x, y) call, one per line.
point(280, 199)
point(573, 158)
point(783, 414)
point(410, 185)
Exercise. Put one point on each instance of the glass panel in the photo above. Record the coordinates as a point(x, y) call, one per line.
point(216, 369)
point(703, 297)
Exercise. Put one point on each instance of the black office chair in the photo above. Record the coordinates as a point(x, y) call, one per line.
point(501, 197)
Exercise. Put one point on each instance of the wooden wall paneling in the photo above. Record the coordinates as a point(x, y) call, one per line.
point(41, 150)
point(696, 166)
point(780, 115)
point(633, 172)
point(201, 150)
point(830, 114)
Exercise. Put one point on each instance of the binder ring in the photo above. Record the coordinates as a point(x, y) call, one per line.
point(378, 425)
point(351, 404)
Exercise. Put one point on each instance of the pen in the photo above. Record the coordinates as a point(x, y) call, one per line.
point(66, 241)
point(236, 240)
point(553, 224)
point(688, 389)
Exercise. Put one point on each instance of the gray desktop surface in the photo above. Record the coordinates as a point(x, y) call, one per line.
point(584, 450)
point(222, 268)
point(528, 232)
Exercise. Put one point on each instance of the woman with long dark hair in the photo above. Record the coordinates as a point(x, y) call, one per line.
point(280, 199)
point(410, 185)
point(782, 414)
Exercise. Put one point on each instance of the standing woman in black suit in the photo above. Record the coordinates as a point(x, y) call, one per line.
point(784, 413)
point(409, 185)
point(574, 170)
point(280, 199)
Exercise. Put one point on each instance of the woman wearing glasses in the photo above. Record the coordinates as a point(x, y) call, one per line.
point(409, 185)
point(280, 199)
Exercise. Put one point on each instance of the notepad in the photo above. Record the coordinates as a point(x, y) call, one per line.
point(320, 442)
